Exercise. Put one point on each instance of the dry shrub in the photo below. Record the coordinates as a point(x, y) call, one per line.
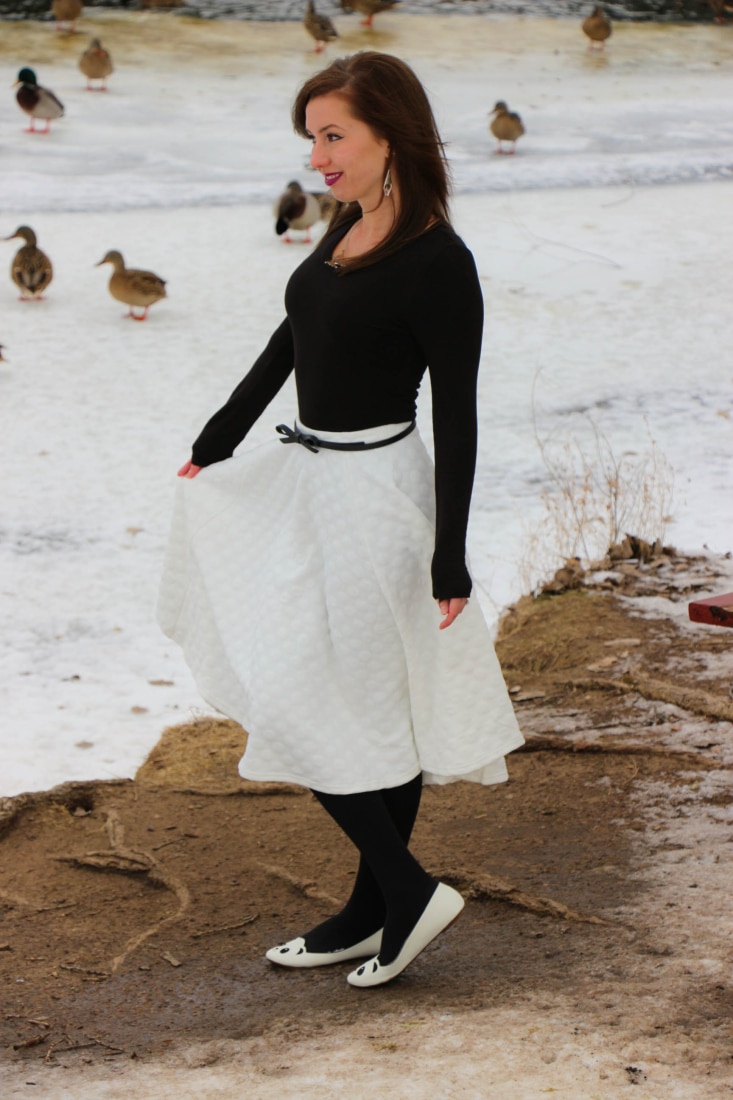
point(594, 499)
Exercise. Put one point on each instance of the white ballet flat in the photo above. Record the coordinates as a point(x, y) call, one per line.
point(442, 909)
point(295, 954)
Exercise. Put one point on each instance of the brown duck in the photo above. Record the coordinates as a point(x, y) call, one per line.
point(319, 27)
point(368, 8)
point(31, 269)
point(96, 64)
point(597, 28)
point(137, 289)
point(506, 126)
point(66, 11)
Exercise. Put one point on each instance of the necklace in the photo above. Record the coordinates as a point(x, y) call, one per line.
point(341, 254)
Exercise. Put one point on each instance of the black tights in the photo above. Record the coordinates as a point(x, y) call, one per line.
point(391, 888)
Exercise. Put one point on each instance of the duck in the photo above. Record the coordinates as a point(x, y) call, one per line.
point(31, 269)
point(505, 126)
point(597, 28)
point(135, 288)
point(318, 26)
point(37, 102)
point(720, 9)
point(369, 8)
point(300, 210)
point(96, 64)
point(2, 357)
point(66, 11)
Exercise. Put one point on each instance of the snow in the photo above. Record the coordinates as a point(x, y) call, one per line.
point(604, 247)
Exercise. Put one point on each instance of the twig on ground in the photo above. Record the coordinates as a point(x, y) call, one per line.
point(484, 886)
point(225, 927)
point(34, 1041)
point(83, 970)
point(129, 861)
point(72, 1044)
point(305, 886)
point(693, 699)
point(542, 743)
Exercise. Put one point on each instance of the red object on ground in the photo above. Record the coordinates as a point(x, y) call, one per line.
point(716, 610)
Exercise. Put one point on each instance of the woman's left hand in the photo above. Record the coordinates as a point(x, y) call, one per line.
point(451, 609)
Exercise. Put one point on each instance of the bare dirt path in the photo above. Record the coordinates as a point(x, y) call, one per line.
point(593, 955)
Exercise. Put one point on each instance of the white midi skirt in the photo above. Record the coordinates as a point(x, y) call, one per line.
point(298, 586)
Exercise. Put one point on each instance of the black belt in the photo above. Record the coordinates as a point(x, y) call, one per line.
point(314, 443)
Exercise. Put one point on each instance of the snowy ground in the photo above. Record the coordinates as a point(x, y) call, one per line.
point(605, 249)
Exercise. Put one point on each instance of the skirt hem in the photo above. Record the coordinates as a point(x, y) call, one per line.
point(495, 768)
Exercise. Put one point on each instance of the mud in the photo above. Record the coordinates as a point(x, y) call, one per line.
point(134, 915)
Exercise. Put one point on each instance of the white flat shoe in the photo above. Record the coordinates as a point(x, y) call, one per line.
point(442, 909)
point(294, 952)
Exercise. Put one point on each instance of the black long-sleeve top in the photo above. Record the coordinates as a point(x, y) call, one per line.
point(360, 343)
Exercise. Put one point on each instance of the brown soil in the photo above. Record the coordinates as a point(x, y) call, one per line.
point(134, 914)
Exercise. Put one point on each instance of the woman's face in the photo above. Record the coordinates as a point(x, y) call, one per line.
point(347, 153)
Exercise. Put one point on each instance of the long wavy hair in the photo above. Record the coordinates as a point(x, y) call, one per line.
point(385, 93)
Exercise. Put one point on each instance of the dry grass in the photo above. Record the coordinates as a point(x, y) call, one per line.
point(202, 757)
point(594, 499)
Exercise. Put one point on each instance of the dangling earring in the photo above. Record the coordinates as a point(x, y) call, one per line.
point(387, 185)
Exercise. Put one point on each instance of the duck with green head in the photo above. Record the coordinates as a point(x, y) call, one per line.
point(37, 102)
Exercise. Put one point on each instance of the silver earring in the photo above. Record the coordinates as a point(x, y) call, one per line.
point(387, 185)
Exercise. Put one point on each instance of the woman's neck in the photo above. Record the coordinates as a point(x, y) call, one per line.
point(372, 227)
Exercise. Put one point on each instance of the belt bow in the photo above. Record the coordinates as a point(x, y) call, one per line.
point(292, 435)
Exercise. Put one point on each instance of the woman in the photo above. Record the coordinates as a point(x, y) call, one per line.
point(298, 579)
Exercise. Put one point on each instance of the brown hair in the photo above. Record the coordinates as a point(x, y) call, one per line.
point(385, 93)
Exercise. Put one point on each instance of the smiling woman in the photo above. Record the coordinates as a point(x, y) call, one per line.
point(350, 113)
point(302, 580)
point(353, 161)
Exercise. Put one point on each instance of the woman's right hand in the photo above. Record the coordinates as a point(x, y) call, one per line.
point(189, 470)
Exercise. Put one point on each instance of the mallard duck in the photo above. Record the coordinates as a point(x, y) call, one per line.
point(318, 26)
point(133, 287)
point(96, 64)
point(597, 28)
point(37, 102)
point(66, 11)
point(31, 269)
point(299, 209)
point(368, 8)
point(505, 125)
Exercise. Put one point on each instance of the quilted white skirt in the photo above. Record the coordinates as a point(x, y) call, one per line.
point(298, 586)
